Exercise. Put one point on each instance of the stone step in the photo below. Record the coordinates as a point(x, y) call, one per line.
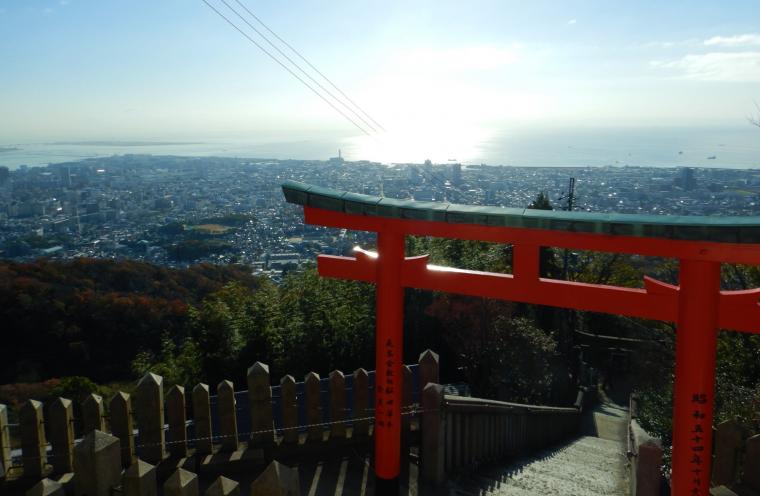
point(587, 466)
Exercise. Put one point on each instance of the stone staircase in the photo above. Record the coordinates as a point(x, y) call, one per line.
point(591, 465)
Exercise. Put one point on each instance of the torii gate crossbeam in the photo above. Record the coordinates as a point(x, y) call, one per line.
point(696, 305)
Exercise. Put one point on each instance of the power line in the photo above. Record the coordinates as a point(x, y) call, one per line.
point(310, 65)
point(286, 68)
point(263, 36)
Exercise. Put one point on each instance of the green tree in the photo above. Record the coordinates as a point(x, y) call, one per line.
point(217, 325)
point(180, 366)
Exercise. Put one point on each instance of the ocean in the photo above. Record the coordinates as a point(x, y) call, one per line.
point(737, 147)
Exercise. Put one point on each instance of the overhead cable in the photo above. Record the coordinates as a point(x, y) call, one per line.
point(320, 95)
point(310, 65)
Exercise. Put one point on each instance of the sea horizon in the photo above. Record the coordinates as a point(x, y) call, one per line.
point(701, 147)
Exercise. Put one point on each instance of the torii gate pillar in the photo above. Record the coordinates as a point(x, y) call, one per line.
point(694, 388)
point(388, 358)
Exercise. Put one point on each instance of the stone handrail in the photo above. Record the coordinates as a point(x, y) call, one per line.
point(645, 454)
point(463, 433)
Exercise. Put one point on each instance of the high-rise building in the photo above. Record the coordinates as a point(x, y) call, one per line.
point(6, 188)
point(456, 173)
point(686, 178)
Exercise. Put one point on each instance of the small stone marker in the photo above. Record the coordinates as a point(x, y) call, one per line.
point(46, 487)
point(97, 464)
point(140, 480)
point(181, 483)
point(276, 480)
point(223, 486)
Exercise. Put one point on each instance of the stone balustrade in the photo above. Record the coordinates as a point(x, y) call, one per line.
point(158, 440)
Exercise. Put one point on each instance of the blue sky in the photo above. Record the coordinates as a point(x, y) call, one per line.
point(172, 69)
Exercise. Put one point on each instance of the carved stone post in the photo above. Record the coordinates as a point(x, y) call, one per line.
point(140, 480)
point(225, 392)
point(61, 413)
point(32, 438)
point(175, 410)
point(260, 400)
point(313, 406)
point(433, 429)
point(149, 409)
point(93, 414)
point(337, 404)
point(202, 419)
point(361, 401)
point(122, 426)
point(289, 409)
point(181, 483)
point(97, 464)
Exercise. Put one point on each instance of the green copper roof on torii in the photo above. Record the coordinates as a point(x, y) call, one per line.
point(690, 228)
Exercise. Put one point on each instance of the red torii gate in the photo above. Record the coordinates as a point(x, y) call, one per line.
point(696, 305)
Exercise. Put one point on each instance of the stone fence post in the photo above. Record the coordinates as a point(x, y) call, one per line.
point(33, 441)
point(140, 480)
point(225, 394)
point(337, 404)
point(93, 414)
point(260, 400)
point(289, 409)
point(313, 406)
point(5, 442)
point(645, 462)
point(361, 403)
point(276, 480)
point(202, 419)
point(97, 464)
point(175, 411)
point(181, 483)
point(428, 369)
point(149, 409)
point(122, 426)
point(433, 430)
point(61, 420)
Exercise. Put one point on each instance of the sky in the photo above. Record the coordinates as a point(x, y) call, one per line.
point(174, 70)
